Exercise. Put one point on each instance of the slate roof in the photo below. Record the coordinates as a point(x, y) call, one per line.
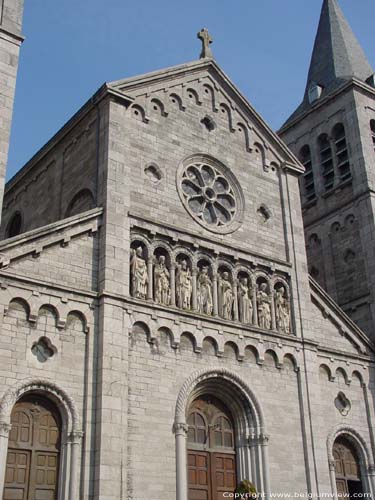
point(337, 56)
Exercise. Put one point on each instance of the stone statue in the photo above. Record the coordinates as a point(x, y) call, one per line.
point(264, 307)
point(138, 272)
point(226, 296)
point(245, 304)
point(282, 311)
point(184, 286)
point(204, 292)
point(161, 278)
point(206, 40)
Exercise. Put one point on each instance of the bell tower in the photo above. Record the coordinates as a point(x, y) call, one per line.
point(11, 12)
point(332, 132)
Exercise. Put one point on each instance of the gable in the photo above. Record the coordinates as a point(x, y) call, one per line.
point(60, 254)
point(332, 329)
point(195, 83)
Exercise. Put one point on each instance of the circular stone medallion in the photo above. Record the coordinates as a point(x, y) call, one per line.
point(211, 194)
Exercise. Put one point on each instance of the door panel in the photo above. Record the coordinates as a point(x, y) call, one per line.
point(211, 457)
point(198, 474)
point(33, 454)
point(17, 475)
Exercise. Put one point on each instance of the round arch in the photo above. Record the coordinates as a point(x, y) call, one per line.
point(249, 423)
point(363, 452)
point(71, 430)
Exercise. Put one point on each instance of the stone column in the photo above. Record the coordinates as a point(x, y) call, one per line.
point(332, 475)
point(255, 476)
point(273, 312)
point(75, 444)
point(4, 437)
point(194, 295)
point(235, 295)
point(255, 305)
point(371, 479)
point(263, 440)
point(181, 430)
point(215, 294)
point(173, 285)
point(150, 269)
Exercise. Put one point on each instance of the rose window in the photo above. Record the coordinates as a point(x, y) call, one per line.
point(210, 195)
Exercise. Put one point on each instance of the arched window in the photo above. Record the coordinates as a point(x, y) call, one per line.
point(15, 225)
point(81, 202)
point(308, 176)
point(342, 155)
point(34, 449)
point(211, 450)
point(372, 126)
point(326, 161)
point(347, 467)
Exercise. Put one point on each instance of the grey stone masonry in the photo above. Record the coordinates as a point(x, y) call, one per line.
point(11, 12)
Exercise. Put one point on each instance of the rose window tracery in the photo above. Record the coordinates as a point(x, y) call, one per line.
point(211, 196)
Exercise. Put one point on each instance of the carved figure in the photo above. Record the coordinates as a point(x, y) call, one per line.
point(204, 292)
point(162, 287)
point(138, 271)
point(184, 286)
point(245, 304)
point(264, 307)
point(282, 311)
point(225, 296)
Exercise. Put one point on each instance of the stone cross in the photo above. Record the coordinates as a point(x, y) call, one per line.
point(206, 39)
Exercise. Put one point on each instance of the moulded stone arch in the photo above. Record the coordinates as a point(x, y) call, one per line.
point(341, 372)
point(193, 94)
point(220, 263)
point(49, 389)
point(323, 368)
point(155, 245)
point(176, 99)
point(199, 256)
point(290, 358)
point(21, 302)
point(251, 439)
point(212, 342)
point(140, 238)
point(77, 314)
point(180, 250)
point(209, 90)
point(241, 127)
point(243, 269)
point(139, 112)
point(354, 437)
point(52, 310)
point(233, 379)
point(159, 105)
point(224, 108)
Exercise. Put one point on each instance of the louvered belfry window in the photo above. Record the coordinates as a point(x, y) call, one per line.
point(308, 176)
point(326, 161)
point(342, 154)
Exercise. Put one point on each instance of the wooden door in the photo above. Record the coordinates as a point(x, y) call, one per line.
point(211, 452)
point(348, 476)
point(33, 451)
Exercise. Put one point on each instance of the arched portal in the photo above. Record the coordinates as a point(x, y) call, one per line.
point(33, 457)
point(347, 468)
point(220, 419)
point(211, 450)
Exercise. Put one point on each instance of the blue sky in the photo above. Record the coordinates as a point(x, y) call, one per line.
point(73, 46)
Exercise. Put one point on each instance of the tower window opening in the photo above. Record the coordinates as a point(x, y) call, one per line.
point(308, 176)
point(326, 161)
point(342, 154)
point(372, 126)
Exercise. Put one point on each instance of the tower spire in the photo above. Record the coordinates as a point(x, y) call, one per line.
point(337, 56)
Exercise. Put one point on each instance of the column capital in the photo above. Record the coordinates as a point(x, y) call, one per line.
point(5, 428)
point(75, 437)
point(180, 429)
point(332, 465)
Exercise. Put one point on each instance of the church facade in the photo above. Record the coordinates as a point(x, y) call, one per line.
point(160, 334)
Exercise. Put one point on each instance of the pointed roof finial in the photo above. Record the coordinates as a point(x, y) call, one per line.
point(206, 39)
